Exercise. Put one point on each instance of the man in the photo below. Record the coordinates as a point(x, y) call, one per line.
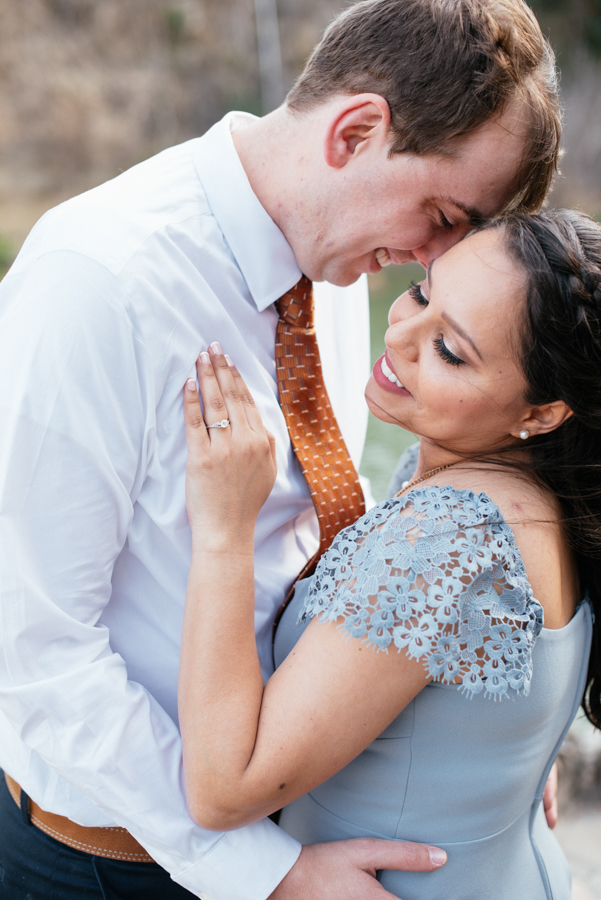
point(414, 119)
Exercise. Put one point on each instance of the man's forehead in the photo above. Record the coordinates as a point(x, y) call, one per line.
point(491, 159)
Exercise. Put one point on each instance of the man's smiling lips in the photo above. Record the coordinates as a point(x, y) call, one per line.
point(384, 256)
point(386, 379)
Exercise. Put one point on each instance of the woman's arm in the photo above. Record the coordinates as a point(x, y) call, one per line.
point(247, 750)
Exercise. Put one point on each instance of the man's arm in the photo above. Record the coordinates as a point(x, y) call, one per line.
point(77, 407)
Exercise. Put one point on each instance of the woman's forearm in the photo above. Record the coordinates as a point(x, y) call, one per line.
point(249, 751)
point(220, 681)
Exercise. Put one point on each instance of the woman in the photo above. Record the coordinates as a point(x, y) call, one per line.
point(476, 582)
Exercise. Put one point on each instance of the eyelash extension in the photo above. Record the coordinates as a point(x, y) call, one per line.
point(415, 292)
point(444, 352)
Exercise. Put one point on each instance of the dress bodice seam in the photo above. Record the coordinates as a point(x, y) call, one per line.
point(525, 811)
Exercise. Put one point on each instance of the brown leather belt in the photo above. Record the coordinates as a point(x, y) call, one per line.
point(112, 842)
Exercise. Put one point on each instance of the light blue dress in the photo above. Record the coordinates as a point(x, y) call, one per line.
point(437, 572)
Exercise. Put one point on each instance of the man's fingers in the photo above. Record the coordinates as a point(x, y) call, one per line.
point(550, 798)
point(346, 870)
point(405, 855)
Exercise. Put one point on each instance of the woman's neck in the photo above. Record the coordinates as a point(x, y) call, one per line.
point(434, 456)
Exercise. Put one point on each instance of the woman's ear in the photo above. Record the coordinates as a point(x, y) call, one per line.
point(545, 418)
point(355, 120)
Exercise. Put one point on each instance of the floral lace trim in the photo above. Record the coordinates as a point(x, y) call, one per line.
point(435, 573)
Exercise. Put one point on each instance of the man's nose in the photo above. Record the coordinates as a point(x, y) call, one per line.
point(439, 243)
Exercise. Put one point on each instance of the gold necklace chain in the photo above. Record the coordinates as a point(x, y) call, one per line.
point(408, 484)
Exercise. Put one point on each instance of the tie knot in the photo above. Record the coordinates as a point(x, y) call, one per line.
point(295, 307)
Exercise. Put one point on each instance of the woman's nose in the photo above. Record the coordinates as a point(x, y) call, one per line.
point(401, 338)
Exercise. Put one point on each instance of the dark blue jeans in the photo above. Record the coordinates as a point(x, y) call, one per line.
point(33, 866)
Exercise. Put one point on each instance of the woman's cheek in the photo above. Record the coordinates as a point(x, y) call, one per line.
point(453, 401)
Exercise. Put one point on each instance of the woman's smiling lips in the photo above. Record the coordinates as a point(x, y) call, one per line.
point(386, 379)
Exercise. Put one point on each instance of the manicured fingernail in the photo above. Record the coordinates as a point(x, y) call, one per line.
point(216, 348)
point(191, 384)
point(204, 357)
point(437, 856)
point(229, 360)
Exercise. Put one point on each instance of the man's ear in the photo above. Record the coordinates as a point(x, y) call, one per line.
point(355, 120)
point(546, 418)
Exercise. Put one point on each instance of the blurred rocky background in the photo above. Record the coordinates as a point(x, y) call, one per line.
point(90, 87)
point(579, 828)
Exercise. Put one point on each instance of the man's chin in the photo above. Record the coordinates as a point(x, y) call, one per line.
point(336, 276)
point(341, 272)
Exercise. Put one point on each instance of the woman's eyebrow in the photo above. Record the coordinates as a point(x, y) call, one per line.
point(456, 327)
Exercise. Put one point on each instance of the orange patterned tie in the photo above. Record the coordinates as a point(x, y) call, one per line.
point(314, 432)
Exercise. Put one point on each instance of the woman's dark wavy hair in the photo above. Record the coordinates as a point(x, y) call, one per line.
point(560, 253)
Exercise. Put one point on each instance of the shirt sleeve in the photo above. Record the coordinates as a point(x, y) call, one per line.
point(77, 401)
point(436, 574)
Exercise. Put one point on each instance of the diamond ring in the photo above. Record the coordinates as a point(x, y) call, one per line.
point(223, 424)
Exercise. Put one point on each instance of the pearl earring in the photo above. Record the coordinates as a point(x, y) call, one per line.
point(524, 435)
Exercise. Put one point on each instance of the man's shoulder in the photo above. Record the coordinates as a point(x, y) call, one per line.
point(111, 222)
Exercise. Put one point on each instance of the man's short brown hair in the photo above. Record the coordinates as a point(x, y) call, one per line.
point(445, 67)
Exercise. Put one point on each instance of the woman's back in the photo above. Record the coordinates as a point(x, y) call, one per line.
point(464, 772)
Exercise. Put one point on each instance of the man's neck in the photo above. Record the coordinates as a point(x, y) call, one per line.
point(273, 155)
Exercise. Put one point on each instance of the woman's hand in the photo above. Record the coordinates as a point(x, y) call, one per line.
point(230, 471)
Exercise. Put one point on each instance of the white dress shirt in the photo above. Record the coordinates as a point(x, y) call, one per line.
point(102, 317)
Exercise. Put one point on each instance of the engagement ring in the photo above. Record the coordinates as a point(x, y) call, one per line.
point(223, 424)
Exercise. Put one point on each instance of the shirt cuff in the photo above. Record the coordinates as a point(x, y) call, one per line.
point(246, 864)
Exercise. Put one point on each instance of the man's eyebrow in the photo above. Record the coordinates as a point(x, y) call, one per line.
point(476, 218)
point(456, 327)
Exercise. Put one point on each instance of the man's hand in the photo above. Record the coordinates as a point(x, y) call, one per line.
point(550, 798)
point(346, 870)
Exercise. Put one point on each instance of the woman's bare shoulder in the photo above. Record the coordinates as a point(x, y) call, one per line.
point(520, 500)
point(535, 517)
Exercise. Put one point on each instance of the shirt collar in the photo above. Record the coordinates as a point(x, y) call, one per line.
point(263, 254)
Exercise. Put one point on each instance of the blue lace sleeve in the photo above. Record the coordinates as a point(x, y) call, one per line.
point(435, 573)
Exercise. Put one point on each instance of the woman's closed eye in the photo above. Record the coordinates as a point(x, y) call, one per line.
point(444, 352)
point(415, 291)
